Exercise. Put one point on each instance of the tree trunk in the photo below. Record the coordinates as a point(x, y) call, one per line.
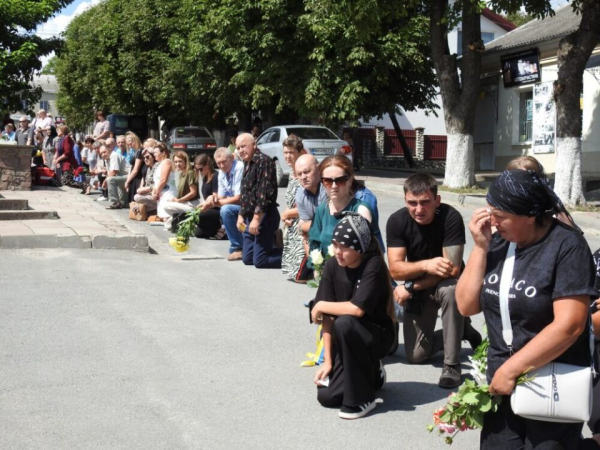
point(459, 90)
point(574, 51)
point(406, 150)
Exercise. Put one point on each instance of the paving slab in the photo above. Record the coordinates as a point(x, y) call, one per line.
point(79, 223)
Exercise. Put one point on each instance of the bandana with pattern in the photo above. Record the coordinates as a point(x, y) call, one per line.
point(353, 231)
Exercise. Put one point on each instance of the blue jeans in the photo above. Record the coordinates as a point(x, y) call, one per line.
point(258, 250)
point(229, 216)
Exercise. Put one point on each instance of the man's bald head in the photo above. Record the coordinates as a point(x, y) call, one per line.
point(307, 171)
point(246, 146)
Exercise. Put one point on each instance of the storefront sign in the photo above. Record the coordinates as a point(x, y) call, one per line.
point(521, 68)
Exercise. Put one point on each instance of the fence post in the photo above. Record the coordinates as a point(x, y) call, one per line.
point(380, 141)
point(420, 143)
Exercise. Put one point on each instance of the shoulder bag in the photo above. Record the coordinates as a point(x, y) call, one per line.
point(558, 392)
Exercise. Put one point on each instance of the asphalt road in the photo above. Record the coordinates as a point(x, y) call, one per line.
point(120, 350)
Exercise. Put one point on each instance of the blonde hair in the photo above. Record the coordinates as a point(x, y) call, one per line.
point(136, 143)
point(184, 156)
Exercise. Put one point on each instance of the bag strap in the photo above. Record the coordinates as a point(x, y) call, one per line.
point(505, 282)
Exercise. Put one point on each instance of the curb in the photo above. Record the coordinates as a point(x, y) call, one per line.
point(137, 243)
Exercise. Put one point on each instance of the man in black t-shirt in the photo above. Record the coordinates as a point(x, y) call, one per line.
point(425, 249)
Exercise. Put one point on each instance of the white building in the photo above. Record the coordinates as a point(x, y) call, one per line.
point(492, 27)
point(47, 101)
point(516, 114)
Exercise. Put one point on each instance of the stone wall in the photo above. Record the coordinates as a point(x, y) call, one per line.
point(15, 167)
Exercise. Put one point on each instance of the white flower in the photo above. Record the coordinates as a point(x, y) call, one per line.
point(478, 372)
point(331, 250)
point(316, 257)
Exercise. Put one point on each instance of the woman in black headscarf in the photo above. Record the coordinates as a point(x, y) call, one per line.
point(549, 298)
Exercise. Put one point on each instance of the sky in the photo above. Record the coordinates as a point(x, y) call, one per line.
point(59, 22)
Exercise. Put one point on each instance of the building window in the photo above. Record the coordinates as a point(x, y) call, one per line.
point(45, 105)
point(525, 116)
point(485, 37)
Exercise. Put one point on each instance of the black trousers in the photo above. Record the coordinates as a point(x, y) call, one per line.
point(503, 430)
point(358, 346)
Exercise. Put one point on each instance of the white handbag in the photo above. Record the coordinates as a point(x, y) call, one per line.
point(559, 392)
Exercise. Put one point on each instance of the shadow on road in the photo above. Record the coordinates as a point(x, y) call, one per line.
point(407, 395)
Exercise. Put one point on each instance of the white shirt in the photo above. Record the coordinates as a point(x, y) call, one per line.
point(118, 163)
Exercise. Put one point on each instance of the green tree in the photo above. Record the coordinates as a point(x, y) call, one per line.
point(21, 50)
point(50, 67)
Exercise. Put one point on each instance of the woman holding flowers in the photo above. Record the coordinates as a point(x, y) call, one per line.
point(355, 307)
point(549, 300)
point(337, 176)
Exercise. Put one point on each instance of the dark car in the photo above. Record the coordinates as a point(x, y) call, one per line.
point(192, 140)
point(122, 123)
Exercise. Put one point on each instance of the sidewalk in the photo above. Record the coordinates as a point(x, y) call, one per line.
point(81, 223)
point(391, 182)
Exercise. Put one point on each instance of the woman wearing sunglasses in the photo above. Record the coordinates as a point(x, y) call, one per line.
point(144, 192)
point(337, 175)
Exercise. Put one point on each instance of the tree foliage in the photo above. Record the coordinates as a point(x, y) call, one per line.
point(20, 50)
point(201, 61)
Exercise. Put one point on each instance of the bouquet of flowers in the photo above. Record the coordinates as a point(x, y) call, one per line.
point(465, 408)
point(186, 229)
point(318, 260)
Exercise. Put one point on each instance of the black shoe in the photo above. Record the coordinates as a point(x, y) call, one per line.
point(382, 377)
point(356, 412)
point(450, 377)
point(394, 346)
point(471, 335)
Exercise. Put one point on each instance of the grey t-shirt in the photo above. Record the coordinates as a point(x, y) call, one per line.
point(307, 202)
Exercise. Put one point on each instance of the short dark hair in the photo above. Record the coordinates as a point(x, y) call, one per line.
point(294, 142)
point(420, 183)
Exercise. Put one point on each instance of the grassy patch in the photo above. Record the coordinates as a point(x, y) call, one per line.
point(470, 190)
point(589, 207)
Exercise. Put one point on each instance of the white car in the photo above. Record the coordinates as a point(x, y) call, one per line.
point(320, 141)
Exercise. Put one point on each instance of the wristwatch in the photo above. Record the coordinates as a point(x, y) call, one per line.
point(409, 286)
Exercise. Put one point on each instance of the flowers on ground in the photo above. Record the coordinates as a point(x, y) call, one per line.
point(185, 230)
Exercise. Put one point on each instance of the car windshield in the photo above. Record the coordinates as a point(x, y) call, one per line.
point(191, 132)
point(311, 133)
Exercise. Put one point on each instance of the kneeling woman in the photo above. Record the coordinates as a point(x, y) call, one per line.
point(354, 304)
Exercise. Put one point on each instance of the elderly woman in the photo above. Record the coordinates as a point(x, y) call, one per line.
point(358, 324)
point(9, 132)
point(293, 248)
point(187, 196)
point(336, 175)
point(64, 159)
point(549, 300)
point(144, 192)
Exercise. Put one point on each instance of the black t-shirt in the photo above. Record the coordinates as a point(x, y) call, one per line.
point(365, 286)
point(425, 241)
point(559, 265)
point(210, 187)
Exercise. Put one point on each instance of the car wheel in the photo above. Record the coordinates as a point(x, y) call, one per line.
point(281, 179)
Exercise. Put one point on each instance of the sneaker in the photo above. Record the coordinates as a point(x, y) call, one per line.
point(115, 205)
point(450, 376)
point(471, 335)
point(102, 199)
point(382, 376)
point(356, 412)
point(235, 256)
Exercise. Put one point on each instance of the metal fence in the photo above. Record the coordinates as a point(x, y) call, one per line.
point(392, 142)
point(435, 146)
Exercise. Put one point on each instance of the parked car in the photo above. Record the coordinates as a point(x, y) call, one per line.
point(320, 141)
point(192, 140)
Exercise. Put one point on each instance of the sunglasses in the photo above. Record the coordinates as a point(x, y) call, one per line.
point(147, 157)
point(340, 181)
point(199, 167)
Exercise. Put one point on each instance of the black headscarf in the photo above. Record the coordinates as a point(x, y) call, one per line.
point(353, 231)
point(525, 193)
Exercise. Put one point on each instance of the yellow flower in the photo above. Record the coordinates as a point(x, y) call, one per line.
point(179, 244)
